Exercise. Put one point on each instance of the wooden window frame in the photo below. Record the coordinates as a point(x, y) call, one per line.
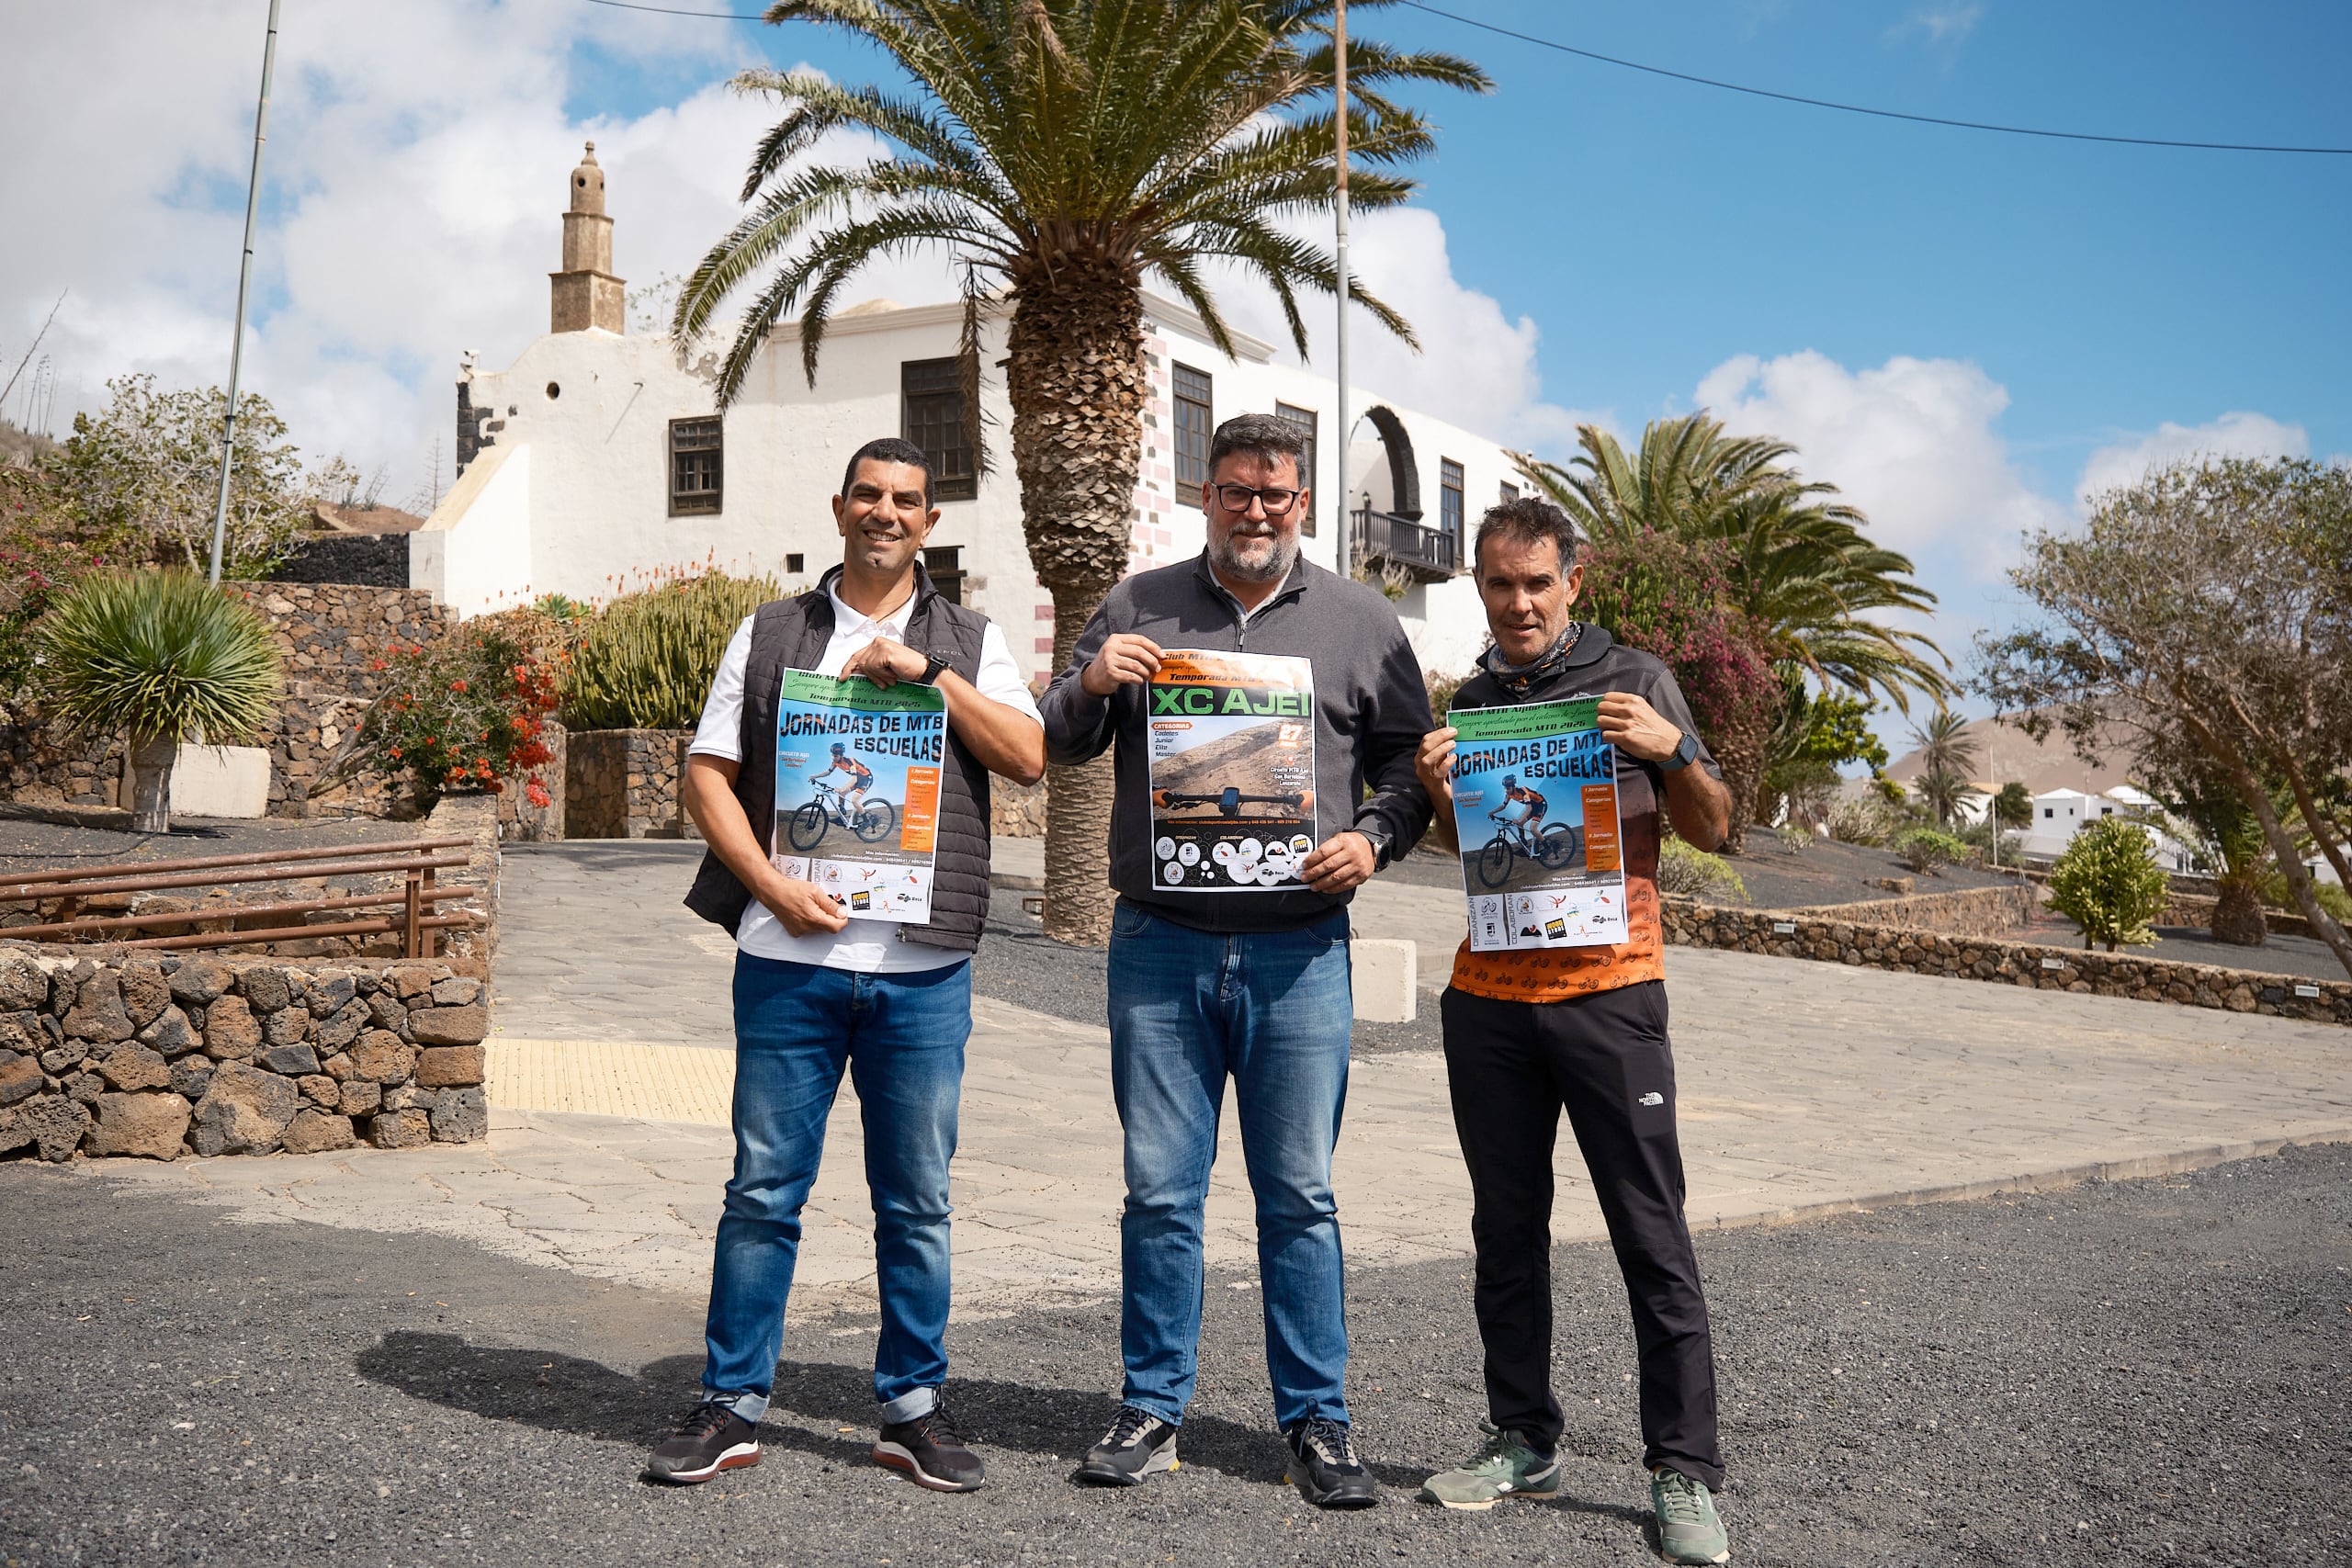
point(690, 439)
point(1181, 399)
point(934, 389)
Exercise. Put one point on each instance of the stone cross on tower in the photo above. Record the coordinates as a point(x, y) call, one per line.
point(586, 293)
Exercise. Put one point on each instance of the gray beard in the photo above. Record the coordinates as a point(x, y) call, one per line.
point(1285, 556)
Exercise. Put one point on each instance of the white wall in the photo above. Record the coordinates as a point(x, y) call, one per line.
point(586, 513)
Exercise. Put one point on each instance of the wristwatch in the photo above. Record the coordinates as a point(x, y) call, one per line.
point(1684, 755)
point(933, 665)
point(1378, 837)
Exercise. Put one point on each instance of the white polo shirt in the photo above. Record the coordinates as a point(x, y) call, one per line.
point(869, 947)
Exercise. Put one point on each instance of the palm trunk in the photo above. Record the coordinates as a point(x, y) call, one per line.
point(149, 764)
point(1076, 374)
point(2237, 913)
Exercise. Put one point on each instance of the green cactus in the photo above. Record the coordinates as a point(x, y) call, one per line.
point(647, 660)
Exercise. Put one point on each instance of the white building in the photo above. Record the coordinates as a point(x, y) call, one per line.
point(595, 460)
point(2060, 814)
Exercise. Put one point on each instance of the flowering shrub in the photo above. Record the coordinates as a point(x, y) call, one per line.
point(464, 715)
point(1672, 599)
point(42, 556)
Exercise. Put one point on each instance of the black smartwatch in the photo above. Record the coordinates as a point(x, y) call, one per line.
point(933, 665)
point(1378, 839)
point(1684, 755)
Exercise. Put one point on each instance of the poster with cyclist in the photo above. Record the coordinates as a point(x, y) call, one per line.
point(857, 790)
point(1232, 769)
point(1536, 805)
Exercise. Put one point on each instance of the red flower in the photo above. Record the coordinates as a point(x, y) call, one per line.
point(537, 794)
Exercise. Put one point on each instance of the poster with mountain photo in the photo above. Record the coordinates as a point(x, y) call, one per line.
point(1535, 811)
point(1232, 771)
point(857, 790)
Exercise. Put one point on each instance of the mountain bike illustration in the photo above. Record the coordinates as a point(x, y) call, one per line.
point(1550, 845)
point(1229, 800)
point(809, 824)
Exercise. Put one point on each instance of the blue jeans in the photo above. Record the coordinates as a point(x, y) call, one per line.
point(901, 1037)
point(1274, 1010)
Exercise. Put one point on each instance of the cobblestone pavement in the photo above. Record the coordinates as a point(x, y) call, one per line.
point(1803, 1087)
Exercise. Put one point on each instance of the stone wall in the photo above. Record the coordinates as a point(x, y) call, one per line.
point(623, 783)
point(125, 1053)
point(1967, 911)
point(1017, 811)
point(1792, 933)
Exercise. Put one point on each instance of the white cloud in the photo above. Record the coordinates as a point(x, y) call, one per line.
point(1913, 442)
point(1948, 23)
point(2238, 435)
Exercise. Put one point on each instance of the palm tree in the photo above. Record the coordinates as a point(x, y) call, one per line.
point(1948, 755)
point(1065, 149)
point(1804, 570)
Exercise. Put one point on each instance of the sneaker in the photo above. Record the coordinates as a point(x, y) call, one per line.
point(711, 1439)
point(1688, 1528)
point(1505, 1466)
point(1324, 1467)
point(929, 1450)
point(1138, 1444)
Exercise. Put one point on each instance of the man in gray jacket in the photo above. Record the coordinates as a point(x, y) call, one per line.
point(1230, 945)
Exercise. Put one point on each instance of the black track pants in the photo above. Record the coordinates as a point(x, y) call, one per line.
point(1511, 1066)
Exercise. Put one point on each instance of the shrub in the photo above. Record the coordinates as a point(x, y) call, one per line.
point(2334, 899)
point(464, 714)
point(2108, 883)
point(647, 662)
point(1864, 820)
point(159, 657)
point(1681, 869)
point(1927, 851)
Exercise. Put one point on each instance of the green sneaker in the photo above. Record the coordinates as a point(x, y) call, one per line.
point(1503, 1467)
point(1688, 1530)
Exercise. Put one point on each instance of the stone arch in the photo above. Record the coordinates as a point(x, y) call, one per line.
point(1404, 472)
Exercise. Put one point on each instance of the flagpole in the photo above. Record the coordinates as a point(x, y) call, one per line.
point(245, 285)
point(1340, 555)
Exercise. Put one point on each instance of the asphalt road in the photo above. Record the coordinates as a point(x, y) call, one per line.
point(2144, 1372)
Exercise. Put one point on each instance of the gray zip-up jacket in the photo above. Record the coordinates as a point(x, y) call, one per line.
point(1370, 711)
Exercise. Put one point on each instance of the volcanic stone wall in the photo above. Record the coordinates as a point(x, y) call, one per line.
point(131, 1053)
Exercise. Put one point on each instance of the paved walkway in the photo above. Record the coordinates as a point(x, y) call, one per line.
point(1803, 1087)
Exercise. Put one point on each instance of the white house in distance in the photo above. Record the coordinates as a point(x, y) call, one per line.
point(595, 459)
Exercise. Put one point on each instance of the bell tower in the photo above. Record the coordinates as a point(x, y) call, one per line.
point(586, 293)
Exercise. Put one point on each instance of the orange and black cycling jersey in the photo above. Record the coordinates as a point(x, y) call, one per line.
point(855, 769)
point(1526, 796)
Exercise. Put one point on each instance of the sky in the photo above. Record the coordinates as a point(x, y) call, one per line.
point(1967, 333)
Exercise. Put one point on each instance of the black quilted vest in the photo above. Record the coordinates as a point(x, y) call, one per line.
point(791, 634)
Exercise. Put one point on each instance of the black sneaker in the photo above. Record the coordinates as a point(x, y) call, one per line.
point(1324, 1467)
point(711, 1439)
point(1138, 1444)
point(931, 1453)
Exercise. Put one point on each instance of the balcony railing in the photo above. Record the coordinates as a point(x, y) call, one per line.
point(1425, 553)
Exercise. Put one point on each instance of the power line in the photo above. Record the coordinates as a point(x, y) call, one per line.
point(1847, 109)
point(1696, 81)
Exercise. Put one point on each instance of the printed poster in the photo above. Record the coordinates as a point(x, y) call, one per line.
point(1232, 771)
point(857, 790)
point(1535, 806)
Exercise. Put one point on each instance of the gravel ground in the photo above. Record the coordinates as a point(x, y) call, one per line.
point(2300, 956)
point(2142, 1372)
point(37, 839)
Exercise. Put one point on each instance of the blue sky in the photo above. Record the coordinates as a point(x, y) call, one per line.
point(1962, 330)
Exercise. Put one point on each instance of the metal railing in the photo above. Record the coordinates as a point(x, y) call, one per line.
point(1427, 553)
point(412, 909)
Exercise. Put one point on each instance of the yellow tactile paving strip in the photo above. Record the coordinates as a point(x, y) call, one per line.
point(603, 1078)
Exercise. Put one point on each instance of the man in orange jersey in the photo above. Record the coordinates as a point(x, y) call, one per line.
point(1530, 1031)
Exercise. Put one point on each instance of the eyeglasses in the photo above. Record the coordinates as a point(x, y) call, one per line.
point(1237, 498)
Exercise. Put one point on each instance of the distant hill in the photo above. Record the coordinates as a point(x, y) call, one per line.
point(2007, 754)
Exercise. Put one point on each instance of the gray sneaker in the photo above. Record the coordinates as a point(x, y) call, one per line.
point(1689, 1529)
point(1504, 1466)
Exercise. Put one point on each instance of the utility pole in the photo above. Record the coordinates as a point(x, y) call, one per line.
point(244, 283)
point(1342, 562)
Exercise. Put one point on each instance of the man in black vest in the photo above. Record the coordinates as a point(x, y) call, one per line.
point(1234, 961)
point(816, 992)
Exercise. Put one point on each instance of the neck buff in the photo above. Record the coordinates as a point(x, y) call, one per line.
point(1517, 678)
